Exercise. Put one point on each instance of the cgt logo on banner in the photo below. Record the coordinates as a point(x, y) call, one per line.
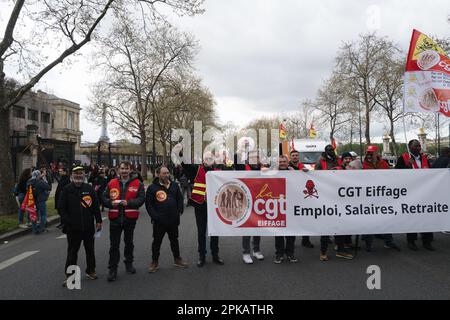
point(252, 203)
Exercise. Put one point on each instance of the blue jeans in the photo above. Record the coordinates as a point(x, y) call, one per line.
point(21, 196)
point(41, 208)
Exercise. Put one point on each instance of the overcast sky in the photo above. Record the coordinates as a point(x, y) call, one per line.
point(260, 57)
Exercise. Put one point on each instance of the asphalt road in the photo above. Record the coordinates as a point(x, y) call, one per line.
point(36, 271)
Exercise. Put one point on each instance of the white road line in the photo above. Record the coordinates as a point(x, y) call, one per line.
point(64, 236)
point(7, 263)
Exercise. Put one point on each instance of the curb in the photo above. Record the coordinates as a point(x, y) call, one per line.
point(16, 233)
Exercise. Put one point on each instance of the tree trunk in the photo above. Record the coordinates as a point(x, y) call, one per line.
point(164, 149)
point(143, 146)
point(394, 144)
point(367, 132)
point(7, 202)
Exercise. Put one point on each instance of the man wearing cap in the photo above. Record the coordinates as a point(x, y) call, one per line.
point(296, 164)
point(346, 159)
point(372, 160)
point(79, 207)
point(415, 160)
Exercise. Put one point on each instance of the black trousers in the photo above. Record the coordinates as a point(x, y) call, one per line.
point(305, 239)
point(427, 237)
point(284, 245)
point(201, 217)
point(246, 244)
point(115, 232)
point(159, 231)
point(74, 240)
point(338, 240)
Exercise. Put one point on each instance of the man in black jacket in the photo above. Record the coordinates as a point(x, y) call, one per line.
point(78, 206)
point(164, 203)
point(63, 181)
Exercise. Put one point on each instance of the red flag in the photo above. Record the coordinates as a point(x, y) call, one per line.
point(333, 143)
point(28, 205)
point(426, 77)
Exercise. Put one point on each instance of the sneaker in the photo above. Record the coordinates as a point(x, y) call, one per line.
point(323, 257)
point(278, 259)
point(412, 246)
point(201, 262)
point(258, 255)
point(292, 259)
point(179, 262)
point(429, 247)
point(129, 268)
point(344, 255)
point(218, 261)
point(23, 226)
point(247, 259)
point(112, 275)
point(91, 276)
point(153, 267)
point(392, 246)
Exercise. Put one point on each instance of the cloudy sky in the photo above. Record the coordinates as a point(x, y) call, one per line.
point(260, 57)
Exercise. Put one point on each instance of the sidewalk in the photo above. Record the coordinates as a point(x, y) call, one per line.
point(21, 232)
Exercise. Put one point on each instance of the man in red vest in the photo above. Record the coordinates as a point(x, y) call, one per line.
point(415, 160)
point(123, 196)
point(372, 160)
point(198, 200)
point(330, 161)
point(296, 164)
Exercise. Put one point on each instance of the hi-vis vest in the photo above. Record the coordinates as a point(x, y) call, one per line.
point(324, 165)
point(423, 160)
point(199, 190)
point(131, 193)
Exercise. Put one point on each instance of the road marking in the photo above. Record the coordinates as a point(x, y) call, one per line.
point(64, 236)
point(7, 263)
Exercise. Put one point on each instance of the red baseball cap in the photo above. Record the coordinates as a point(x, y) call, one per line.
point(372, 148)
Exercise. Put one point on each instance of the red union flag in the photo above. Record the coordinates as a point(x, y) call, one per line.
point(28, 205)
point(427, 77)
point(252, 203)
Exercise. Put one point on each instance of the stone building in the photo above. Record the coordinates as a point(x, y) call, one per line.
point(44, 129)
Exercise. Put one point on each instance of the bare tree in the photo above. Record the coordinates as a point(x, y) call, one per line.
point(299, 123)
point(391, 93)
point(333, 105)
point(136, 66)
point(358, 65)
point(178, 105)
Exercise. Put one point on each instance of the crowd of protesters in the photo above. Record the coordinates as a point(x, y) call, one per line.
point(85, 191)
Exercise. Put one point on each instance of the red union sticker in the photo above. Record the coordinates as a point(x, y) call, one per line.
point(252, 203)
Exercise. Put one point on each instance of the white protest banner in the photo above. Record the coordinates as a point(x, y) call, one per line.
point(247, 203)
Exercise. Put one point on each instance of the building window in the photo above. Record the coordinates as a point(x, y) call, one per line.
point(18, 112)
point(70, 120)
point(33, 115)
point(45, 117)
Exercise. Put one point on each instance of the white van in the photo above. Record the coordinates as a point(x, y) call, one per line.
point(309, 151)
